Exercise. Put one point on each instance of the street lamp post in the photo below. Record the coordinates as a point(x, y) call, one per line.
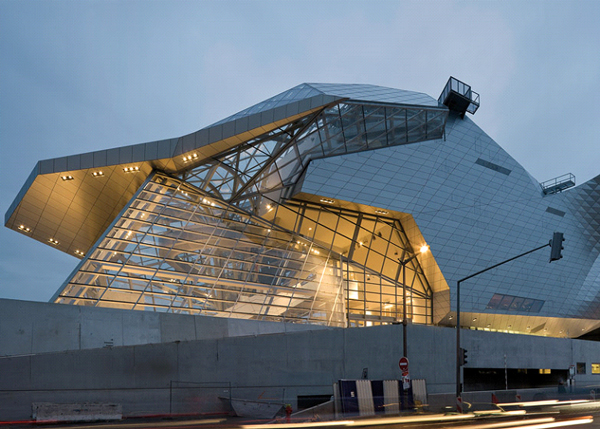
point(402, 266)
point(556, 246)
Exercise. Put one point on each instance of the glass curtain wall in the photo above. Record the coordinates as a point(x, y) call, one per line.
point(178, 250)
point(271, 164)
point(225, 239)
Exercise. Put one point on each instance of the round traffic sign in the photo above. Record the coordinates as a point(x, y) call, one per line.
point(403, 364)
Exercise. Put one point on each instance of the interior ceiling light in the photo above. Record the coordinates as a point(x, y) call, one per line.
point(191, 157)
point(98, 173)
point(53, 241)
point(381, 211)
point(67, 177)
point(79, 252)
point(134, 169)
point(327, 200)
point(24, 228)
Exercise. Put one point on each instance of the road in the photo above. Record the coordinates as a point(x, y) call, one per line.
point(538, 415)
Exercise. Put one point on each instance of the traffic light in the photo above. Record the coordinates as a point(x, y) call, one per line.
point(463, 356)
point(556, 246)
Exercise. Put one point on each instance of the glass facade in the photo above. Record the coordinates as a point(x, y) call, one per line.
point(177, 249)
point(300, 208)
point(268, 167)
point(226, 238)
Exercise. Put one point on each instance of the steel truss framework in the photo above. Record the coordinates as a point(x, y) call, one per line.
point(226, 238)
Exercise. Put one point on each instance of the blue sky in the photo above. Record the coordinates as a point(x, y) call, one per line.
point(78, 76)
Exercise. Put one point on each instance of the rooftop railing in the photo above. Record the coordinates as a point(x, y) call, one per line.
point(459, 96)
point(558, 184)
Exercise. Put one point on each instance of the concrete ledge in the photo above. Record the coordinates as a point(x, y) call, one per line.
point(86, 412)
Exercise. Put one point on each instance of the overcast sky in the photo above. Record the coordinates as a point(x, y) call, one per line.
point(79, 76)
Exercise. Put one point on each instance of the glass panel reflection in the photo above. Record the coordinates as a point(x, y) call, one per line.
point(225, 239)
point(228, 263)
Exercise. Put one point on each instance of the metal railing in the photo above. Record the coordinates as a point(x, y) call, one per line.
point(463, 90)
point(558, 184)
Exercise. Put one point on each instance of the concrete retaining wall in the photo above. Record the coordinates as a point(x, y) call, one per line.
point(192, 361)
point(274, 366)
point(28, 327)
point(52, 412)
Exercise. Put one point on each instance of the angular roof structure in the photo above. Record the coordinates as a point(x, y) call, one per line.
point(76, 211)
point(308, 208)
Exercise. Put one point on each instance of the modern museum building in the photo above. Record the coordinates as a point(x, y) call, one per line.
point(328, 210)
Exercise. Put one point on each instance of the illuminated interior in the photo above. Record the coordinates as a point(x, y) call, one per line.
point(227, 237)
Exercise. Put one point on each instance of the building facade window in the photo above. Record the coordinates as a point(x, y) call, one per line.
point(580, 367)
point(182, 250)
point(596, 368)
point(514, 303)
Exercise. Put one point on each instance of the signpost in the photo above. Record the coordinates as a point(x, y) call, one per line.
point(403, 364)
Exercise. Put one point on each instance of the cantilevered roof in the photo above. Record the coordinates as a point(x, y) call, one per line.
point(72, 200)
point(355, 92)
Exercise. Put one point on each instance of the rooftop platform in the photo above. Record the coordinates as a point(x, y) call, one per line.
point(558, 184)
point(459, 97)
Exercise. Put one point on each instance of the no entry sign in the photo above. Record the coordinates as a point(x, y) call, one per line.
point(403, 364)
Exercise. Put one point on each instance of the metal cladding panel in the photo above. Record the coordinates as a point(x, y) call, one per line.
point(46, 166)
point(60, 164)
point(138, 152)
point(113, 156)
point(215, 134)
point(391, 396)
point(164, 149)
point(188, 142)
point(301, 92)
point(365, 398)
point(87, 160)
point(474, 215)
point(150, 151)
point(100, 159)
point(74, 162)
point(229, 129)
point(65, 210)
point(374, 93)
point(126, 154)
